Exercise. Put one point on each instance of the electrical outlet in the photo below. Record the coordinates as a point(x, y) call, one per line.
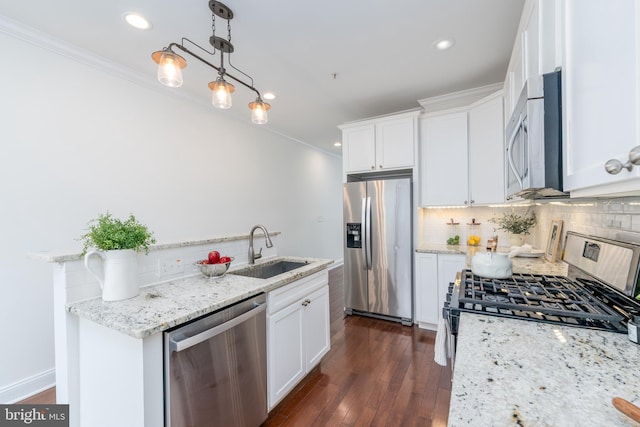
point(170, 266)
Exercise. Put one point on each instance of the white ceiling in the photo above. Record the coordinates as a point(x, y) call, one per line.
point(380, 51)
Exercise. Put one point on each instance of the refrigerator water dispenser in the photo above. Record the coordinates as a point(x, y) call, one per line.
point(354, 236)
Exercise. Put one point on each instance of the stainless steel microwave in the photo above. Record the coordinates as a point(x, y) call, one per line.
point(534, 140)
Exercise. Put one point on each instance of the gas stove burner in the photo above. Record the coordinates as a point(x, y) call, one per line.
point(496, 298)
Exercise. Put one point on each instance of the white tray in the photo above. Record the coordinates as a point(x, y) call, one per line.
point(532, 254)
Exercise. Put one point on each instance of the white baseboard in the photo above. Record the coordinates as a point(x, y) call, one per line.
point(336, 263)
point(28, 387)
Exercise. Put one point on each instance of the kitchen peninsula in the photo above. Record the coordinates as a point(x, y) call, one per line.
point(109, 355)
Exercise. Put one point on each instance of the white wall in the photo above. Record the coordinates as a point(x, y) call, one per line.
point(76, 141)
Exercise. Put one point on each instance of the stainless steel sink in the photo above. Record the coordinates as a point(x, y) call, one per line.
point(269, 270)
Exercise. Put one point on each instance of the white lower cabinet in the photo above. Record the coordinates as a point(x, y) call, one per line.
point(434, 273)
point(297, 332)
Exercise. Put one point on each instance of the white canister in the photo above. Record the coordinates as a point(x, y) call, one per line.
point(491, 265)
point(119, 276)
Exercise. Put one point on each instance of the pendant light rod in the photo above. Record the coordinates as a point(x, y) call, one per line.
point(186, 50)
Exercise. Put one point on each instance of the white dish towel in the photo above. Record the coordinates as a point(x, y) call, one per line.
point(440, 346)
point(524, 249)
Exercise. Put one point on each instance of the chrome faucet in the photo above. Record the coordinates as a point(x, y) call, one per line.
point(252, 255)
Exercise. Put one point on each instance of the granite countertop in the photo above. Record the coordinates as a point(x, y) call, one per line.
point(520, 264)
point(70, 255)
point(165, 305)
point(511, 372)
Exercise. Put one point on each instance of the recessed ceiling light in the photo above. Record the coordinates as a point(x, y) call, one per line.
point(137, 21)
point(269, 96)
point(337, 144)
point(444, 44)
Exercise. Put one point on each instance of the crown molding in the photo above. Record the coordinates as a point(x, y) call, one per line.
point(462, 98)
point(45, 41)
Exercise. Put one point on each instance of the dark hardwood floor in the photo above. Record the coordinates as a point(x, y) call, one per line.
point(378, 373)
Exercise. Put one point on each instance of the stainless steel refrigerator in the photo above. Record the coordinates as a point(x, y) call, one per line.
point(377, 249)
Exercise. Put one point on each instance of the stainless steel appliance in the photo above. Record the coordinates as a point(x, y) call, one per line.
point(215, 368)
point(378, 244)
point(534, 144)
point(601, 290)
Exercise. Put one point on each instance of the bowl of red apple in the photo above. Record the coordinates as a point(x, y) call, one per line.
point(214, 265)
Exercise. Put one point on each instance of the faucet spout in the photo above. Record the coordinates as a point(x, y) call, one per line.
point(252, 255)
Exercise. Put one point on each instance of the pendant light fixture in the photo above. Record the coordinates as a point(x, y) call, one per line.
point(170, 66)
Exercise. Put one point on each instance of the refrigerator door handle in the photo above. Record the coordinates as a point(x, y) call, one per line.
point(367, 232)
point(364, 233)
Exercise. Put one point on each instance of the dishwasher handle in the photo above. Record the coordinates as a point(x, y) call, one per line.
point(184, 344)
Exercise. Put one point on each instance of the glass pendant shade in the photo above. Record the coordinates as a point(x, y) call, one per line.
point(259, 111)
point(222, 90)
point(170, 67)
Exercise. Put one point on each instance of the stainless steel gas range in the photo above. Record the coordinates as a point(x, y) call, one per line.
point(601, 290)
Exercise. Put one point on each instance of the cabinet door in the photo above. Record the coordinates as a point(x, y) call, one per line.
point(286, 365)
point(359, 150)
point(448, 266)
point(426, 288)
point(444, 177)
point(486, 152)
point(316, 326)
point(531, 42)
point(395, 143)
point(518, 69)
point(600, 94)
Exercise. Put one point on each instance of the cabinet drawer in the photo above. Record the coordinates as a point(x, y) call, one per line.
point(288, 294)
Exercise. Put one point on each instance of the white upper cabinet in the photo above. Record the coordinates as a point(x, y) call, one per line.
point(486, 152)
point(601, 95)
point(536, 50)
point(380, 144)
point(461, 155)
point(359, 148)
point(395, 143)
point(444, 167)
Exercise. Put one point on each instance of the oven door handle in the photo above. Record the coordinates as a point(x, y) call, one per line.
point(184, 344)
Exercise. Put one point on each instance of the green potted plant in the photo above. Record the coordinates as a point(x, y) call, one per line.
point(517, 225)
point(116, 242)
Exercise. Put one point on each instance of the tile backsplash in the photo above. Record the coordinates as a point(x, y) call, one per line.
point(614, 219)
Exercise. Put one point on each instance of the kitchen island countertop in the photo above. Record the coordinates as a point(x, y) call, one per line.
point(165, 305)
point(520, 264)
point(512, 372)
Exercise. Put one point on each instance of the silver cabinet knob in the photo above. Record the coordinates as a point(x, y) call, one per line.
point(373, 166)
point(473, 201)
point(634, 155)
point(466, 203)
point(380, 166)
point(614, 166)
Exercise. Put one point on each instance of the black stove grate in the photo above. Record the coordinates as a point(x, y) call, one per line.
point(545, 298)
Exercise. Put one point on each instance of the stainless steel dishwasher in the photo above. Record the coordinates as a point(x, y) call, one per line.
point(215, 370)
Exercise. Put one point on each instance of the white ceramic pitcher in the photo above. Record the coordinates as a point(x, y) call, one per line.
point(119, 278)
